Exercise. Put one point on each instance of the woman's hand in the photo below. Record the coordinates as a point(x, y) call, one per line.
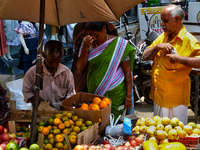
point(87, 41)
point(128, 103)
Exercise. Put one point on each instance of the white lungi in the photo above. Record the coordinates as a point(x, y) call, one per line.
point(181, 112)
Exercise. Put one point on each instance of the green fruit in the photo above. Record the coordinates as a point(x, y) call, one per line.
point(46, 141)
point(26, 129)
point(42, 123)
point(34, 147)
point(12, 146)
point(18, 128)
point(23, 127)
point(83, 128)
point(23, 148)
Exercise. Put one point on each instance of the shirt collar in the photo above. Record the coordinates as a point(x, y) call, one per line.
point(180, 34)
point(59, 70)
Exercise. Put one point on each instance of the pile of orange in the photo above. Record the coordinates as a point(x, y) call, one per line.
point(55, 127)
point(97, 104)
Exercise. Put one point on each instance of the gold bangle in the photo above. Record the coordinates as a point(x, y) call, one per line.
point(128, 99)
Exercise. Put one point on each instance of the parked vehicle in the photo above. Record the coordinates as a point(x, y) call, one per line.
point(142, 69)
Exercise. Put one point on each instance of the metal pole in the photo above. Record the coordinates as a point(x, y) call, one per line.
point(38, 81)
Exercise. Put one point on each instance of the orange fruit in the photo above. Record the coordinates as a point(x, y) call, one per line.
point(78, 123)
point(55, 127)
point(72, 140)
point(64, 113)
point(65, 147)
point(67, 130)
point(56, 131)
point(76, 129)
point(65, 118)
point(95, 107)
point(54, 148)
point(84, 105)
point(52, 141)
point(59, 138)
point(48, 146)
point(74, 118)
point(45, 131)
point(107, 100)
point(73, 133)
point(50, 127)
point(99, 120)
point(67, 124)
point(103, 104)
point(96, 100)
point(56, 121)
point(71, 122)
point(59, 116)
point(61, 126)
point(90, 106)
point(69, 115)
point(59, 145)
point(50, 136)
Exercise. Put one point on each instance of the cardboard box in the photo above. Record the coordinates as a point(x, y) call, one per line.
point(92, 115)
point(26, 115)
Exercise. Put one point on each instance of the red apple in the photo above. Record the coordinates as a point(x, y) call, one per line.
point(118, 148)
point(108, 146)
point(131, 137)
point(92, 147)
point(78, 147)
point(5, 137)
point(126, 148)
point(1, 129)
point(1, 140)
point(5, 130)
point(85, 146)
point(139, 140)
point(105, 142)
point(133, 143)
point(12, 135)
point(126, 144)
point(3, 145)
point(14, 140)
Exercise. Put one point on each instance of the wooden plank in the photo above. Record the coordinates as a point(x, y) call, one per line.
point(11, 125)
point(40, 140)
point(67, 141)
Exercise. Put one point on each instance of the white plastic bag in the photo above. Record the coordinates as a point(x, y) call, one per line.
point(113, 129)
point(15, 88)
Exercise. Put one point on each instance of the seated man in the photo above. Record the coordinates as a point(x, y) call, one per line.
point(58, 81)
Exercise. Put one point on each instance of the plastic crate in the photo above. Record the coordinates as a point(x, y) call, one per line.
point(191, 143)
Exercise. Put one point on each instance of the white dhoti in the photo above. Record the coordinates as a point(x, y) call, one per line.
point(181, 112)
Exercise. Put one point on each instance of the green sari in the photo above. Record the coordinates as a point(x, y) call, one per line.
point(105, 76)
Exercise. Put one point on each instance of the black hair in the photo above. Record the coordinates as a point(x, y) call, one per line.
point(53, 49)
point(96, 26)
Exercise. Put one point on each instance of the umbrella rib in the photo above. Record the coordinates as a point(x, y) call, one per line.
point(57, 12)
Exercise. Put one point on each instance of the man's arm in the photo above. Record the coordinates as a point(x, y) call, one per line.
point(151, 52)
point(192, 62)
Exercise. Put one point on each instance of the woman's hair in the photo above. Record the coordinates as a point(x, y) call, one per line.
point(96, 26)
point(53, 49)
point(177, 11)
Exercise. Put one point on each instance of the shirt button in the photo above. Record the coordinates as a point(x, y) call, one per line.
point(155, 76)
point(158, 65)
point(156, 88)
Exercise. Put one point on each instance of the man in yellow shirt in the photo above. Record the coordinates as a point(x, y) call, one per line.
point(174, 53)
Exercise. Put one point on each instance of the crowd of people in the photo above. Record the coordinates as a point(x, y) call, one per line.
point(103, 65)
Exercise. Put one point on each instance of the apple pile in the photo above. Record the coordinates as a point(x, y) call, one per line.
point(164, 130)
point(6, 137)
point(131, 143)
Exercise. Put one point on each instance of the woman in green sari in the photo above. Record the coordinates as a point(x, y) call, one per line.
point(109, 60)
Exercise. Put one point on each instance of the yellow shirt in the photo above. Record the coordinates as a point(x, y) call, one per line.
point(171, 82)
